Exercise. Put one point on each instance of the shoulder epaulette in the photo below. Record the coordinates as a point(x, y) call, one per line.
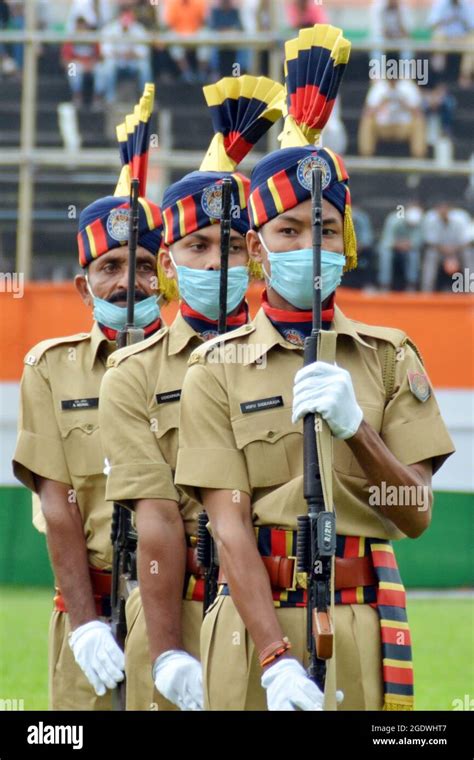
point(390, 334)
point(123, 353)
point(35, 353)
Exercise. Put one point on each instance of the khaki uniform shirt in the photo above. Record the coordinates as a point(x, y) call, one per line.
point(58, 433)
point(236, 431)
point(139, 418)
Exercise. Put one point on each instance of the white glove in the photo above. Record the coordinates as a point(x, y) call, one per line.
point(178, 676)
point(98, 655)
point(327, 389)
point(289, 688)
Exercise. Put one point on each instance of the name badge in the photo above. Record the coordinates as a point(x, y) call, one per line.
point(261, 404)
point(80, 403)
point(163, 398)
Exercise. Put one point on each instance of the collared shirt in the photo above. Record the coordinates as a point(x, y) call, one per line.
point(58, 430)
point(457, 230)
point(139, 418)
point(236, 431)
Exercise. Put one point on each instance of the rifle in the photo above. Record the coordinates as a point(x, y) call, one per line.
point(123, 534)
point(316, 538)
point(206, 549)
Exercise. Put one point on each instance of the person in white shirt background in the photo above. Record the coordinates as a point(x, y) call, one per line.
point(453, 21)
point(393, 112)
point(124, 56)
point(447, 235)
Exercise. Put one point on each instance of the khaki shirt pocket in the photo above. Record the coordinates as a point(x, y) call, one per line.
point(267, 439)
point(165, 424)
point(82, 447)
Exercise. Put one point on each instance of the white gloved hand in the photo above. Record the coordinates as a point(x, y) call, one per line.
point(327, 389)
point(178, 676)
point(98, 655)
point(289, 688)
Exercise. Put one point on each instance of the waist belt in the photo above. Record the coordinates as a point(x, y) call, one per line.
point(101, 581)
point(194, 579)
point(350, 572)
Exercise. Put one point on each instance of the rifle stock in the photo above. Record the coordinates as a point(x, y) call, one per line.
point(207, 554)
point(123, 536)
point(316, 530)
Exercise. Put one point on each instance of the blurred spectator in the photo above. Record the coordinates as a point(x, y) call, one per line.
point(253, 16)
point(187, 18)
point(96, 13)
point(17, 22)
point(146, 13)
point(393, 112)
point(390, 20)
point(453, 20)
point(364, 275)
point(447, 237)
point(335, 135)
point(7, 64)
point(439, 107)
point(124, 56)
point(302, 13)
point(400, 248)
point(225, 18)
point(79, 59)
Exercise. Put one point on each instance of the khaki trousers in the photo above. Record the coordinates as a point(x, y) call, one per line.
point(141, 692)
point(370, 132)
point(69, 689)
point(231, 671)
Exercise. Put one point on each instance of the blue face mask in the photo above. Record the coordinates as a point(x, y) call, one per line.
point(199, 288)
point(292, 274)
point(115, 317)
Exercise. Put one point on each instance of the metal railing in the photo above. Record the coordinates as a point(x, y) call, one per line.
point(28, 157)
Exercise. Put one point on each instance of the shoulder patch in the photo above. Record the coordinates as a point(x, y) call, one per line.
point(121, 354)
point(419, 385)
point(35, 354)
point(199, 354)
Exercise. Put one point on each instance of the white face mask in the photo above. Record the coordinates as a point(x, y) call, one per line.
point(292, 274)
point(413, 215)
point(199, 288)
point(110, 315)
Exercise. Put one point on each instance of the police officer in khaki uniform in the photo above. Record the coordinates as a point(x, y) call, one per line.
point(59, 454)
point(139, 407)
point(241, 445)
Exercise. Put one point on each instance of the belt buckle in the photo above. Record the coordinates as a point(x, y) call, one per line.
point(294, 577)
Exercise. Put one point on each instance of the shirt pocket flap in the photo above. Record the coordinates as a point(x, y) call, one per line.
point(83, 447)
point(165, 418)
point(268, 426)
point(269, 441)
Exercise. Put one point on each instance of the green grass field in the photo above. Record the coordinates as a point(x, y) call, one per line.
point(442, 629)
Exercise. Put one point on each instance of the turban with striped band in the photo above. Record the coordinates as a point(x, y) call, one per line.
point(104, 224)
point(314, 66)
point(242, 110)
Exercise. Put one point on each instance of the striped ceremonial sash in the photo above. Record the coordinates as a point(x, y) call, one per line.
point(387, 597)
point(396, 640)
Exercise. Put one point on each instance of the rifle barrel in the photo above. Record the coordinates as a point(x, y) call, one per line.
point(225, 245)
